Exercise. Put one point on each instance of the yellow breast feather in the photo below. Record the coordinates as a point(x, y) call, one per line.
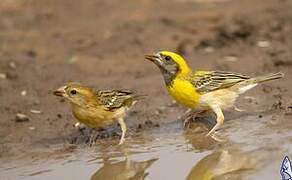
point(184, 92)
point(94, 118)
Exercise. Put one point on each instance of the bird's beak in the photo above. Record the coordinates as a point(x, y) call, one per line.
point(154, 58)
point(60, 92)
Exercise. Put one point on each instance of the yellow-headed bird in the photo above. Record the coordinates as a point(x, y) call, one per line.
point(204, 90)
point(98, 108)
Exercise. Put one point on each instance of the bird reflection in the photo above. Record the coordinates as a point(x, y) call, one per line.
point(222, 165)
point(196, 136)
point(123, 170)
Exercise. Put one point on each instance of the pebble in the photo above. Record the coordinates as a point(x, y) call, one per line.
point(263, 44)
point(77, 124)
point(209, 49)
point(12, 65)
point(21, 117)
point(288, 111)
point(31, 128)
point(72, 60)
point(3, 76)
point(107, 35)
point(34, 111)
point(23, 93)
point(172, 104)
point(160, 110)
point(230, 58)
point(156, 112)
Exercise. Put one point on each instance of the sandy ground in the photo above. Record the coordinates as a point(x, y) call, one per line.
point(44, 44)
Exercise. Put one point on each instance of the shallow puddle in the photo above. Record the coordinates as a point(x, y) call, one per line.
point(250, 150)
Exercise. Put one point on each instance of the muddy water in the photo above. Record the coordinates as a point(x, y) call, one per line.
point(250, 150)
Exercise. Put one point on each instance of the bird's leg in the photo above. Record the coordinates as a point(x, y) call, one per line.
point(93, 137)
point(186, 117)
point(124, 130)
point(91, 140)
point(219, 119)
point(187, 122)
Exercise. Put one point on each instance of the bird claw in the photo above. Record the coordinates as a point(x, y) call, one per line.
point(122, 140)
point(215, 137)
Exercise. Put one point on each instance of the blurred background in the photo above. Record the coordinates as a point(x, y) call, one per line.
point(101, 43)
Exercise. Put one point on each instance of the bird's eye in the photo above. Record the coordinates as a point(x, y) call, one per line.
point(167, 58)
point(73, 92)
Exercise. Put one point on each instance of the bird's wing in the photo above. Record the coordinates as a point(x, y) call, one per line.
point(207, 81)
point(113, 99)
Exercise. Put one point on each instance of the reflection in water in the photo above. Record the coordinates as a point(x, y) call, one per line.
point(223, 164)
point(227, 163)
point(123, 170)
point(196, 136)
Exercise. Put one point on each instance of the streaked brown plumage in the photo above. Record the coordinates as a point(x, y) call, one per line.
point(98, 108)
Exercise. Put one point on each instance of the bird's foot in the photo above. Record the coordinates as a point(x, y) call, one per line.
point(122, 140)
point(93, 138)
point(216, 137)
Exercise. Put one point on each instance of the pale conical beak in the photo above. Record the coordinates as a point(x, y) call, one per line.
point(60, 92)
point(155, 59)
point(152, 58)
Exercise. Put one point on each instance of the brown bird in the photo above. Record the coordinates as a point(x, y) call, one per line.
point(98, 108)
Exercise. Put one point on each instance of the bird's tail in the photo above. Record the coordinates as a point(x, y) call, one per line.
point(139, 96)
point(133, 99)
point(268, 77)
point(252, 82)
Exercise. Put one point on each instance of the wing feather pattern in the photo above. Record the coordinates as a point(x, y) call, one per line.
point(214, 80)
